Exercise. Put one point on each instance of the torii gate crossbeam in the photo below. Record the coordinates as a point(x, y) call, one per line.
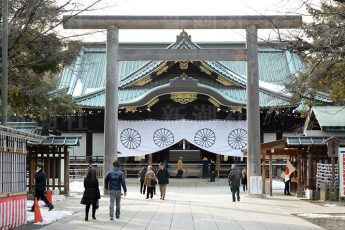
point(250, 23)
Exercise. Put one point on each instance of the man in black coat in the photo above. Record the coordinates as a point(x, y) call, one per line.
point(40, 187)
point(163, 179)
point(235, 181)
point(204, 168)
point(213, 171)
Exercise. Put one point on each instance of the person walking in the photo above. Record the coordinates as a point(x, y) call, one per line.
point(204, 168)
point(40, 187)
point(179, 168)
point(142, 174)
point(114, 180)
point(213, 171)
point(163, 179)
point(91, 194)
point(150, 182)
point(235, 181)
point(244, 179)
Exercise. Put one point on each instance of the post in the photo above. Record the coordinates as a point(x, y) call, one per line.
point(299, 173)
point(309, 169)
point(149, 160)
point(66, 171)
point(4, 88)
point(332, 190)
point(263, 172)
point(271, 173)
point(218, 164)
point(253, 110)
point(111, 100)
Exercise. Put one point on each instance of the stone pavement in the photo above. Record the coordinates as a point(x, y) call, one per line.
point(191, 205)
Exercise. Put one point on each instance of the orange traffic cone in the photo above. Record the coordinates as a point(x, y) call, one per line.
point(49, 196)
point(38, 217)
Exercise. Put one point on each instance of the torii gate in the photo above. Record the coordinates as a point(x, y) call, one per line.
point(250, 23)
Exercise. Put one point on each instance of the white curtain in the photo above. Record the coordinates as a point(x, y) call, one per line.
point(144, 137)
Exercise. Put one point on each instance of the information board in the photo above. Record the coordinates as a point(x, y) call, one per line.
point(341, 172)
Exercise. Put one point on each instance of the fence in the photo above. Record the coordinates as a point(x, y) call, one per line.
point(13, 176)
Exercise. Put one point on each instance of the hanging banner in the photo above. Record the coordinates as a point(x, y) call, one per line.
point(341, 160)
point(144, 137)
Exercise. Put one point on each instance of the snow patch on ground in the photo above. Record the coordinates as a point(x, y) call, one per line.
point(58, 198)
point(318, 216)
point(329, 205)
point(76, 186)
point(278, 185)
point(49, 216)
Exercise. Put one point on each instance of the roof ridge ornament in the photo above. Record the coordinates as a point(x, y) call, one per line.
point(183, 36)
point(183, 81)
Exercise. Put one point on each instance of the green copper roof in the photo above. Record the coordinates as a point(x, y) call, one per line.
point(85, 80)
point(330, 117)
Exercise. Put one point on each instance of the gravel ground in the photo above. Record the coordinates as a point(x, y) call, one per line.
point(329, 223)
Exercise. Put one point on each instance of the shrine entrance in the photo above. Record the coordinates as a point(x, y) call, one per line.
point(250, 54)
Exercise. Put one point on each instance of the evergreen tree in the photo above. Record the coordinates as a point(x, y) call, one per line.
point(37, 54)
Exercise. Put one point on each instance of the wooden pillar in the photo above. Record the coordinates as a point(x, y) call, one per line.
point(48, 161)
point(271, 173)
point(263, 172)
point(299, 173)
point(66, 171)
point(53, 166)
point(332, 193)
point(59, 169)
point(89, 147)
point(309, 169)
point(218, 164)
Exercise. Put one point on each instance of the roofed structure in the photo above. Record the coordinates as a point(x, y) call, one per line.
point(143, 82)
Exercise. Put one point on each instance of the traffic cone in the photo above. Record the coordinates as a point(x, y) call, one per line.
point(38, 217)
point(49, 196)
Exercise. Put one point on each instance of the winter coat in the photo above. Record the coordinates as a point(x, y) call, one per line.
point(235, 178)
point(244, 177)
point(114, 180)
point(91, 194)
point(40, 181)
point(179, 165)
point(205, 165)
point(150, 179)
point(142, 174)
point(212, 167)
point(163, 176)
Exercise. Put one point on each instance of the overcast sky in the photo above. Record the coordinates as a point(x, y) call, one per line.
point(188, 7)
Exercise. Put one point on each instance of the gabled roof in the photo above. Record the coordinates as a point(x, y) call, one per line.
point(85, 80)
point(330, 118)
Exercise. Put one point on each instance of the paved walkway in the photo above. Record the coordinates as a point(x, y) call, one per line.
point(193, 206)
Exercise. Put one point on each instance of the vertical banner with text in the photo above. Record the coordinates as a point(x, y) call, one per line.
point(341, 172)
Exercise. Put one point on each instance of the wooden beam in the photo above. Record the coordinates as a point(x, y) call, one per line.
point(158, 54)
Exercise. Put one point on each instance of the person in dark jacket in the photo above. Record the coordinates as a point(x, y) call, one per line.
point(91, 194)
point(163, 179)
point(213, 171)
point(244, 179)
point(142, 174)
point(114, 180)
point(235, 181)
point(204, 168)
point(40, 187)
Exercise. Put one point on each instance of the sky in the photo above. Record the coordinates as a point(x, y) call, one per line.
point(187, 7)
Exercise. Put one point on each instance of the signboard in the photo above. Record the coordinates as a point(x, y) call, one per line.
point(341, 172)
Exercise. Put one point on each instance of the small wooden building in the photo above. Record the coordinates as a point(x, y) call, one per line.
point(54, 154)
